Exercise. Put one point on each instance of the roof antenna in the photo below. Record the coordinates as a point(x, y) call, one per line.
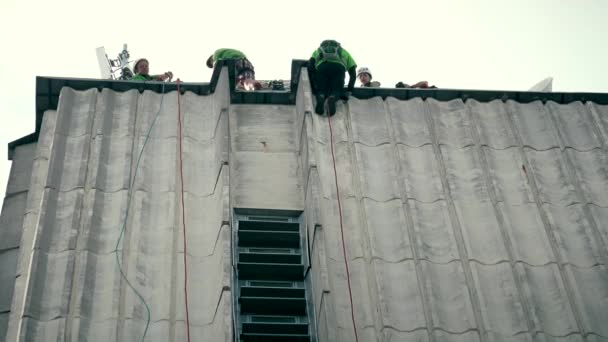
point(114, 69)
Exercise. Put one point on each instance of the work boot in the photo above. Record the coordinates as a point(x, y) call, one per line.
point(319, 108)
point(331, 104)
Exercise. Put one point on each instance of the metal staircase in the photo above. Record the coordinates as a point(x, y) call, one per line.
point(271, 290)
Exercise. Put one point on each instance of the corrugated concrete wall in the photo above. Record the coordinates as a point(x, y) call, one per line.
point(462, 221)
point(68, 283)
point(11, 222)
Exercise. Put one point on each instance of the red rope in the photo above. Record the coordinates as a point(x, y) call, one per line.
point(181, 173)
point(350, 292)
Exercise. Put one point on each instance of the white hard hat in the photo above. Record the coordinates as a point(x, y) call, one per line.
point(364, 70)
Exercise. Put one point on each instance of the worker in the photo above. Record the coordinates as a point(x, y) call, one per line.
point(421, 85)
point(329, 62)
point(365, 77)
point(245, 74)
point(141, 69)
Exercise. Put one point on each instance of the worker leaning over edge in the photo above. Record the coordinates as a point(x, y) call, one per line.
point(328, 63)
point(245, 73)
point(141, 68)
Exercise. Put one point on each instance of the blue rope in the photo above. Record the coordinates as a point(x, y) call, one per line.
point(124, 225)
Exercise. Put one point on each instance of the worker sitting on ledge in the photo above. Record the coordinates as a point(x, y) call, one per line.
point(141, 69)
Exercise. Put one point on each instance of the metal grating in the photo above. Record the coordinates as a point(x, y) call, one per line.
point(271, 298)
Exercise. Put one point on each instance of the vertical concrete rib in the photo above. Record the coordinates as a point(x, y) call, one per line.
point(501, 224)
point(80, 243)
point(410, 225)
point(130, 185)
point(368, 264)
point(597, 236)
point(551, 237)
point(462, 252)
point(177, 220)
point(594, 116)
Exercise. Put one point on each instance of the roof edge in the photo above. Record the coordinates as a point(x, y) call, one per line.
point(49, 88)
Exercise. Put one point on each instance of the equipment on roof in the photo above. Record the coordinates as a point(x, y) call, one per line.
point(114, 69)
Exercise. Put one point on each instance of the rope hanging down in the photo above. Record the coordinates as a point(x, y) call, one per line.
point(124, 224)
point(350, 293)
point(181, 177)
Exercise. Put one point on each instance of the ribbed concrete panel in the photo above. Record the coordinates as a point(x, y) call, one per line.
point(575, 125)
point(462, 220)
point(574, 235)
point(68, 163)
point(512, 202)
point(533, 122)
point(101, 228)
point(388, 231)
point(367, 120)
point(420, 173)
point(524, 227)
point(109, 171)
point(342, 152)
point(509, 176)
point(600, 117)
point(353, 228)
point(501, 309)
point(434, 234)
point(410, 123)
point(591, 290)
point(481, 232)
point(470, 336)
point(11, 220)
point(540, 337)
point(451, 123)
point(321, 129)
point(547, 300)
point(21, 168)
point(71, 284)
point(76, 110)
point(551, 176)
point(492, 124)
point(114, 113)
point(8, 265)
point(464, 174)
point(449, 298)
point(400, 299)
point(376, 172)
point(600, 215)
point(61, 219)
point(592, 174)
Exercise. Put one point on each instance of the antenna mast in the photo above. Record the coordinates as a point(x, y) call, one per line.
point(114, 69)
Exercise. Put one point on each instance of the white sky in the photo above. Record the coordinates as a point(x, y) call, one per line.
point(484, 44)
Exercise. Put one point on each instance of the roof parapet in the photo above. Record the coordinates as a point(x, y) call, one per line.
point(49, 88)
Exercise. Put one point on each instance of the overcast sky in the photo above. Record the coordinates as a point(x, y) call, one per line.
point(506, 45)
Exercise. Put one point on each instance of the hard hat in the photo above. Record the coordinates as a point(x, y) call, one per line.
point(137, 62)
point(364, 70)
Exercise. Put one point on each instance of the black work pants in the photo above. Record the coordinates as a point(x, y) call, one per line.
point(244, 68)
point(329, 79)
